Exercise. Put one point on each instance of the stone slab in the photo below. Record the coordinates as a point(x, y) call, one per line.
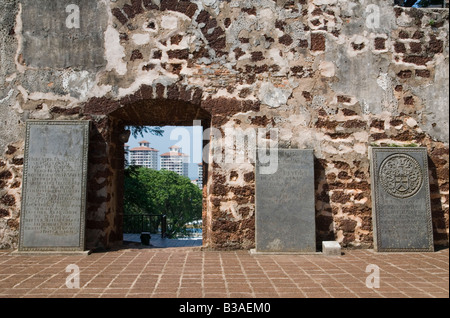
point(54, 186)
point(285, 204)
point(62, 34)
point(331, 248)
point(401, 210)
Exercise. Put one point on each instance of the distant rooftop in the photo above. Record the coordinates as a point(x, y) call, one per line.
point(144, 149)
point(174, 154)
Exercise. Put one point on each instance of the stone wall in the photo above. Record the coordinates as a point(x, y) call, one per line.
point(334, 76)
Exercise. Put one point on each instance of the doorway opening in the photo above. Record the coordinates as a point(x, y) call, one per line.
point(163, 185)
point(160, 177)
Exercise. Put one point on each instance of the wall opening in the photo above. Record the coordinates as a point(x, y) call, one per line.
point(421, 3)
point(163, 183)
point(181, 121)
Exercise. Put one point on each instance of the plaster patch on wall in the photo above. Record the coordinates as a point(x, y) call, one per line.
point(18, 31)
point(272, 96)
point(141, 38)
point(389, 101)
point(327, 69)
point(7, 97)
point(231, 207)
point(114, 52)
point(169, 22)
point(78, 84)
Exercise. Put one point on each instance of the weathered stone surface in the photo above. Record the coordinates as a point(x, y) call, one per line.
point(48, 25)
point(54, 189)
point(401, 200)
point(324, 74)
point(285, 214)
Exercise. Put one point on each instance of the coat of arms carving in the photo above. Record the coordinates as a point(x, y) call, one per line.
point(401, 176)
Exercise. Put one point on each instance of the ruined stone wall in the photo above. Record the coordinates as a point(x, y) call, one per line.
point(334, 76)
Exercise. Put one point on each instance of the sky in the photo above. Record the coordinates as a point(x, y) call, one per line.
point(185, 137)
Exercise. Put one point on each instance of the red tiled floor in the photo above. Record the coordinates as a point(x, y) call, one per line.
point(192, 273)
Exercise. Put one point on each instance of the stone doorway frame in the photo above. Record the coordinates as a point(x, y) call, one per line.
point(149, 106)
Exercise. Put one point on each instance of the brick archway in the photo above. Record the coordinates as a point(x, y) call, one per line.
point(149, 106)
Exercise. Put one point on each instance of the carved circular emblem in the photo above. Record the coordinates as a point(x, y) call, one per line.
point(401, 175)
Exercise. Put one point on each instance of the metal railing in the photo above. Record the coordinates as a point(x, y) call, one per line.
point(138, 223)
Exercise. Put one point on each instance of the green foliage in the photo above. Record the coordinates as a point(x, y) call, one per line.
point(411, 145)
point(149, 191)
point(141, 130)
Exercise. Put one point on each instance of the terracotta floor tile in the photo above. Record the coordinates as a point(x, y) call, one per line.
point(188, 273)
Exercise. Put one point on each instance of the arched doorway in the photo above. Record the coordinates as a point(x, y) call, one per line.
point(150, 106)
point(153, 113)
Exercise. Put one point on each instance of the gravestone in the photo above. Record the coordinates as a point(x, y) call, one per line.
point(401, 211)
point(54, 186)
point(285, 205)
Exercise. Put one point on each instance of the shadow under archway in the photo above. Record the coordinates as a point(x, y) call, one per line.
point(160, 112)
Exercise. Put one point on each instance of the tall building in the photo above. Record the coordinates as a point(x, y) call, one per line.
point(144, 156)
point(200, 176)
point(175, 161)
point(127, 155)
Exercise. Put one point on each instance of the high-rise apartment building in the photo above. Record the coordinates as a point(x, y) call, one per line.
point(127, 155)
point(200, 176)
point(175, 161)
point(144, 156)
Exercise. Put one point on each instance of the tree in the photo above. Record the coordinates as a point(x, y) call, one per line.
point(149, 191)
point(141, 130)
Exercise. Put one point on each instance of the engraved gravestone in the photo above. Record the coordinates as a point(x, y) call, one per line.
point(285, 204)
point(401, 210)
point(54, 186)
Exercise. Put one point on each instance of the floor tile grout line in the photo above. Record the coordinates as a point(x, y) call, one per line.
point(356, 279)
point(267, 276)
point(203, 277)
point(98, 273)
point(180, 282)
point(293, 280)
point(30, 277)
point(368, 262)
point(36, 287)
point(139, 275)
point(246, 276)
point(400, 291)
point(312, 279)
point(397, 274)
point(327, 260)
point(160, 275)
point(227, 290)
